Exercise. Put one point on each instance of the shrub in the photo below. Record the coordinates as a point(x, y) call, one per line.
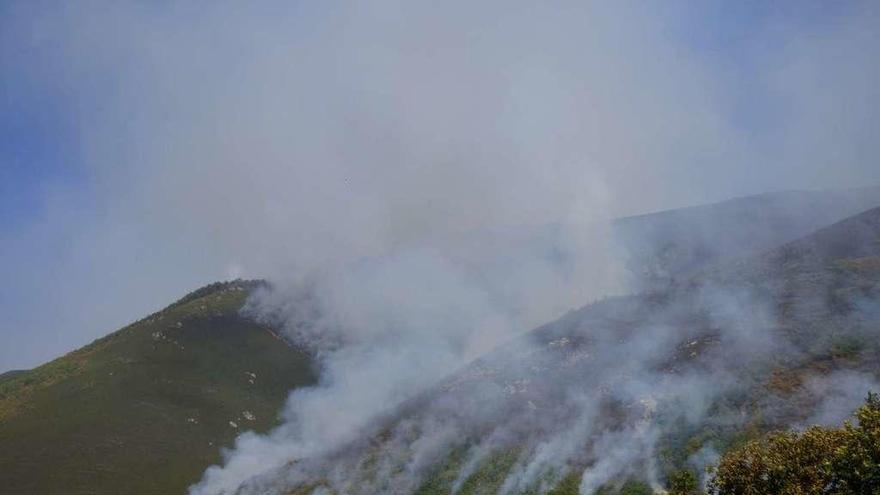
point(682, 483)
point(834, 461)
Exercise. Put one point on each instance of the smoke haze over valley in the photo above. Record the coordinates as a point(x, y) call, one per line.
point(454, 207)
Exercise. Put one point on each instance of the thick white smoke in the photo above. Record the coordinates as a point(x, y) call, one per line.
point(592, 394)
point(421, 181)
point(386, 328)
point(449, 194)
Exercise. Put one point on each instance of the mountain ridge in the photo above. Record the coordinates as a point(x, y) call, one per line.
point(151, 372)
point(816, 329)
point(147, 408)
point(674, 244)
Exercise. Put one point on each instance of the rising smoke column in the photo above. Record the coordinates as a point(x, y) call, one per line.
point(457, 155)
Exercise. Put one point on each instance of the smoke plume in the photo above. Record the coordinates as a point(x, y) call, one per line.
point(422, 184)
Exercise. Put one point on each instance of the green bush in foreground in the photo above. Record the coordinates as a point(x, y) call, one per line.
point(833, 461)
point(683, 483)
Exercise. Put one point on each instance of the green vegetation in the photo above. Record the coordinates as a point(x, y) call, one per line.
point(9, 375)
point(442, 479)
point(683, 482)
point(148, 408)
point(635, 487)
point(841, 461)
point(570, 485)
point(491, 474)
point(629, 487)
point(489, 477)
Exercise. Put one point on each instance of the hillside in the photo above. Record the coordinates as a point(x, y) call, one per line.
point(624, 393)
point(730, 348)
point(676, 244)
point(147, 408)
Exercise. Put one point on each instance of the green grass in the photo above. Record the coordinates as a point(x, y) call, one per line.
point(489, 476)
point(9, 375)
point(494, 470)
point(148, 408)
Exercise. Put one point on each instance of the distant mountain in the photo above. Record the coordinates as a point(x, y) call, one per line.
point(663, 246)
point(738, 348)
point(147, 408)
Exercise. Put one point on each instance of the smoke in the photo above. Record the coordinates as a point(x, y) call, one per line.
point(275, 139)
point(423, 183)
point(839, 394)
point(386, 328)
point(598, 388)
point(609, 391)
point(266, 140)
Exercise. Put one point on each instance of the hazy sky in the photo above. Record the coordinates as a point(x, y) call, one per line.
point(149, 148)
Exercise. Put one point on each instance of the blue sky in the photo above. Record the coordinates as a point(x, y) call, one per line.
point(39, 148)
point(120, 155)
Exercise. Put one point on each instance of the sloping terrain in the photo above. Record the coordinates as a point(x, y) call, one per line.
point(623, 393)
point(147, 408)
point(721, 346)
point(9, 375)
point(677, 243)
point(776, 323)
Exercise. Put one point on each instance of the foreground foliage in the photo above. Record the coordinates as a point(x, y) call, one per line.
point(839, 461)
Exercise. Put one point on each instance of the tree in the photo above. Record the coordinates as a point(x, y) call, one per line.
point(841, 461)
point(856, 464)
point(682, 482)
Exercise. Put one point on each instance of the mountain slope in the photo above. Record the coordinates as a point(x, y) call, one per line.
point(675, 244)
point(817, 301)
point(147, 408)
point(630, 389)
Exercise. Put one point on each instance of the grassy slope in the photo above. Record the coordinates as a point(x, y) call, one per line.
point(146, 409)
point(9, 375)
